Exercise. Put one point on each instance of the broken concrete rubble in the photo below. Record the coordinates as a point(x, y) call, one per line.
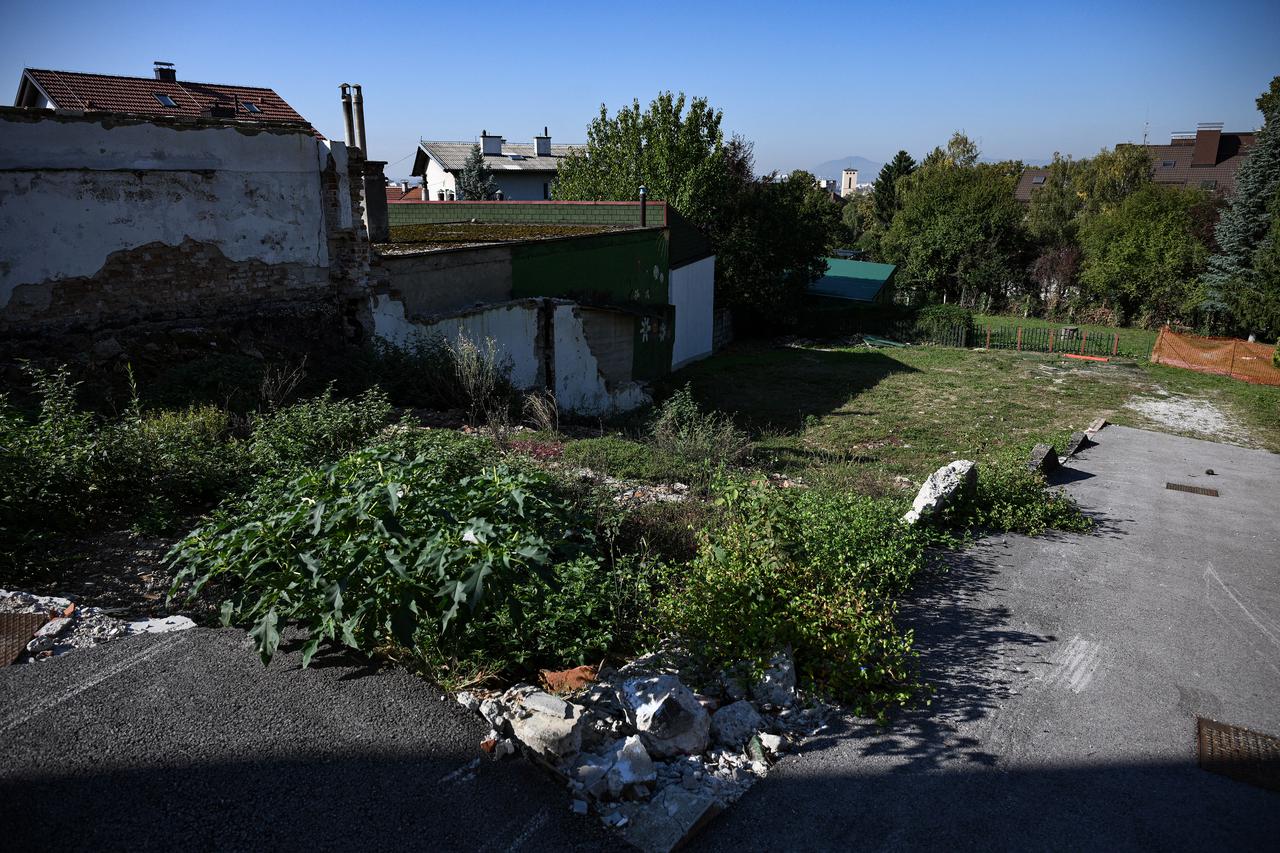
point(669, 818)
point(777, 686)
point(943, 487)
point(734, 725)
point(1044, 458)
point(72, 627)
point(546, 724)
point(668, 716)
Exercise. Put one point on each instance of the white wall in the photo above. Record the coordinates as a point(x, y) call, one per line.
point(693, 293)
point(72, 193)
point(516, 185)
point(580, 385)
point(438, 179)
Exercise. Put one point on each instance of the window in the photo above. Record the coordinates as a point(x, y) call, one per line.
point(1208, 185)
point(546, 191)
point(1168, 164)
point(1038, 180)
point(165, 100)
point(250, 107)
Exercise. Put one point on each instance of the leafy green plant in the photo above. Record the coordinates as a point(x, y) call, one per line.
point(934, 322)
point(619, 457)
point(384, 547)
point(811, 571)
point(1011, 498)
point(316, 429)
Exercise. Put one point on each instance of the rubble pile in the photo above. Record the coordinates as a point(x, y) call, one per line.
point(647, 754)
point(72, 627)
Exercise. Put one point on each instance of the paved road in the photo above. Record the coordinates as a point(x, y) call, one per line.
point(1069, 671)
point(179, 742)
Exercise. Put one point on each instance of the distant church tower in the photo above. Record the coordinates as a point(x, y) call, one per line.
point(848, 182)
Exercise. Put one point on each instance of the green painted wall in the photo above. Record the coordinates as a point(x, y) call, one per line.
point(626, 269)
point(526, 212)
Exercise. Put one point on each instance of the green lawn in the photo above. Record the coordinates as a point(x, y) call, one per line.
point(1136, 343)
point(867, 416)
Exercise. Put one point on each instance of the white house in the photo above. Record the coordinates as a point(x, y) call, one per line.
point(523, 171)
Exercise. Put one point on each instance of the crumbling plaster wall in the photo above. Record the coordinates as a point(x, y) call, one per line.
point(118, 214)
point(578, 380)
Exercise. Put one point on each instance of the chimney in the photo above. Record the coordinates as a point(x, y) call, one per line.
point(490, 145)
point(357, 101)
point(542, 144)
point(1208, 135)
point(165, 71)
point(347, 116)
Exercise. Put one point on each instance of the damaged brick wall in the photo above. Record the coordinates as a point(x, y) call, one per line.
point(112, 223)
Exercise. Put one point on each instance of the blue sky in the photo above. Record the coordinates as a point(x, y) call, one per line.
point(807, 82)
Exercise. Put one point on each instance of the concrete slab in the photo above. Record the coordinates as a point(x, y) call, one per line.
point(1068, 674)
point(184, 741)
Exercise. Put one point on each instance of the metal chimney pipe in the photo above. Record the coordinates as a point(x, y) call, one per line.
point(644, 194)
point(358, 101)
point(346, 113)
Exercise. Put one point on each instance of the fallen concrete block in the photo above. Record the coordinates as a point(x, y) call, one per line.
point(943, 487)
point(1077, 442)
point(1095, 427)
point(668, 716)
point(670, 819)
point(1043, 459)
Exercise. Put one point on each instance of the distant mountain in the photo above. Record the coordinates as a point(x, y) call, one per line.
point(867, 169)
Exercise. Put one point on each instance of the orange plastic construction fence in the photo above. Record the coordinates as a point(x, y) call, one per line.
point(1223, 356)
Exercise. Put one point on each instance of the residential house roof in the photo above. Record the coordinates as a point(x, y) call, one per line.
point(1205, 160)
point(687, 242)
point(138, 96)
point(515, 156)
point(859, 281)
point(396, 194)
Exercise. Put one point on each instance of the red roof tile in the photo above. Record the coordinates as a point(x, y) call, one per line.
point(137, 95)
point(395, 195)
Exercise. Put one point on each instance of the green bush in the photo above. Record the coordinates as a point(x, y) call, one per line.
point(1011, 498)
point(225, 380)
point(620, 457)
point(428, 551)
point(933, 322)
point(704, 442)
point(812, 571)
point(315, 430)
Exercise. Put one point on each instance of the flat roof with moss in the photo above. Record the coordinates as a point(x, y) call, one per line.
point(455, 235)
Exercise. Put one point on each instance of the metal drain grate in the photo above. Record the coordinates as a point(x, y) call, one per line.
point(1195, 490)
point(1239, 753)
point(15, 630)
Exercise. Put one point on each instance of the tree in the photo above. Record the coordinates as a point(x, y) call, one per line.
point(1142, 258)
point(959, 234)
point(857, 218)
point(884, 190)
point(1056, 204)
point(772, 247)
point(1259, 300)
point(1231, 285)
point(679, 156)
point(1109, 177)
point(476, 183)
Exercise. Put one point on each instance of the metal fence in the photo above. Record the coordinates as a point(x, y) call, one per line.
point(1067, 340)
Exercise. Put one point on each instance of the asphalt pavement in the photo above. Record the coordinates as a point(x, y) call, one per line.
point(1069, 671)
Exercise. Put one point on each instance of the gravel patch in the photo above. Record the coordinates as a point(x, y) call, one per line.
point(1191, 416)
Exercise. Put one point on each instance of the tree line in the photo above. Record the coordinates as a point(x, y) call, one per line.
point(1099, 242)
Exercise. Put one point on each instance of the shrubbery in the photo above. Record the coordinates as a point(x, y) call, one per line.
point(418, 542)
point(817, 572)
point(936, 321)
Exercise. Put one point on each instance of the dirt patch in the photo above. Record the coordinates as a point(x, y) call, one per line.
point(1190, 416)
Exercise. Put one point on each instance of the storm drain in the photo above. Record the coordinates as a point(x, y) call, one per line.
point(16, 629)
point(1195, 490)
point(1238, 753)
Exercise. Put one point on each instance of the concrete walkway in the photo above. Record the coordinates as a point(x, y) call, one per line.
point(1069, 671)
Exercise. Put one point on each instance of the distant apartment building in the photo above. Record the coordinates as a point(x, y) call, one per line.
point(1206, 159)
point(523, 171)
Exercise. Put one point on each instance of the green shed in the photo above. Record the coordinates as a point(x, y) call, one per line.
point(857, 281)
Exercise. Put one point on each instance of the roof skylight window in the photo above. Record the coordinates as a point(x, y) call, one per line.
point(165, 100)
point(1168, 164)
point(1037, 180)
point(250, 106)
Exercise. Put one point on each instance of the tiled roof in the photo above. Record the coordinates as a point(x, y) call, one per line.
point(1029, 182)
point(1171, 164)
point(452, 155)
point(396, 195)
point(137, 95)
